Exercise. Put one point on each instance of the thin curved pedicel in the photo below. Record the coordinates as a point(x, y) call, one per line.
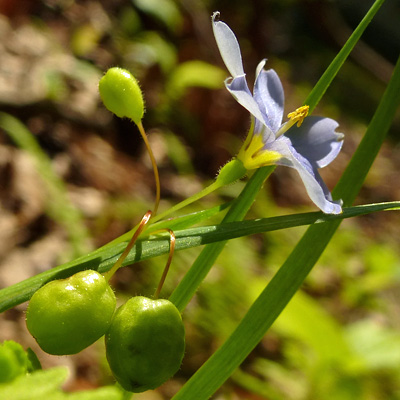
point(303, 143)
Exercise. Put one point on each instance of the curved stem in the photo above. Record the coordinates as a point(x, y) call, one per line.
point(154, 164)
point(129, 247)
point(167, 265)
point(207, 190)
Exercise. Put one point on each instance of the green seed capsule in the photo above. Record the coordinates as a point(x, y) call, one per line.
point(145, 343)
point(67, 315)
point(121, 94)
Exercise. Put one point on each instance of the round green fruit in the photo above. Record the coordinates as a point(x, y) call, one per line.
point(67, 315)
point(145, 343)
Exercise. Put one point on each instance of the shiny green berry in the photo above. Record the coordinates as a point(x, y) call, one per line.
point(121, 94)
point(67, 315)
point(145, 343)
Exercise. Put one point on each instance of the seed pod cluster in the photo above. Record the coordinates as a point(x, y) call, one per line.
point(145, 338)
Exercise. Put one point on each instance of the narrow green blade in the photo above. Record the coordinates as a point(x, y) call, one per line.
point(291, 275)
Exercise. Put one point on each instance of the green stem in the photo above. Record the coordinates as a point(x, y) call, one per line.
point(129, 247)
point(229, 173)
point(172, 241)
point(154, 165)
point(206, 191)
point(200, 268)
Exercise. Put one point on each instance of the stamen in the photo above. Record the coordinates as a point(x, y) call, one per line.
point(298, 115)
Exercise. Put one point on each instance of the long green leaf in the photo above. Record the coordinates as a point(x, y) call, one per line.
point(185, 239)
point(215, 369)
point(181, 222)
point(291, 275)
point(220, 366)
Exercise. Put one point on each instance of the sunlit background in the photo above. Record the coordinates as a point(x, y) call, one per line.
point(339, 338)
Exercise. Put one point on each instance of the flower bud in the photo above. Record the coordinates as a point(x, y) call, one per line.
point(121, 94)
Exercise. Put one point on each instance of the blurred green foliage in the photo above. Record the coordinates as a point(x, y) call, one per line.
point(46, 383)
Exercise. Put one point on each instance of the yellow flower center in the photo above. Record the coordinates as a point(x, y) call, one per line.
point(254, 156)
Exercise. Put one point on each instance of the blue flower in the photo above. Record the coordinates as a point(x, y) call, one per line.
point(304, 144)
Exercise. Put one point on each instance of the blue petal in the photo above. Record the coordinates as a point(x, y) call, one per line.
point(316, 188)
point(241, 92)
point(317, 140)
point(228, 46)
point(260, 128)
point(268, 92)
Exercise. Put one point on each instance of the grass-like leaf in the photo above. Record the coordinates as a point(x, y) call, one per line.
point(291, 275)
point(181, 222)
point(156, 245)
point(206, 259)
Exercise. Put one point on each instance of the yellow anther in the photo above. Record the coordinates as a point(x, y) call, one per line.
point(298, 115)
